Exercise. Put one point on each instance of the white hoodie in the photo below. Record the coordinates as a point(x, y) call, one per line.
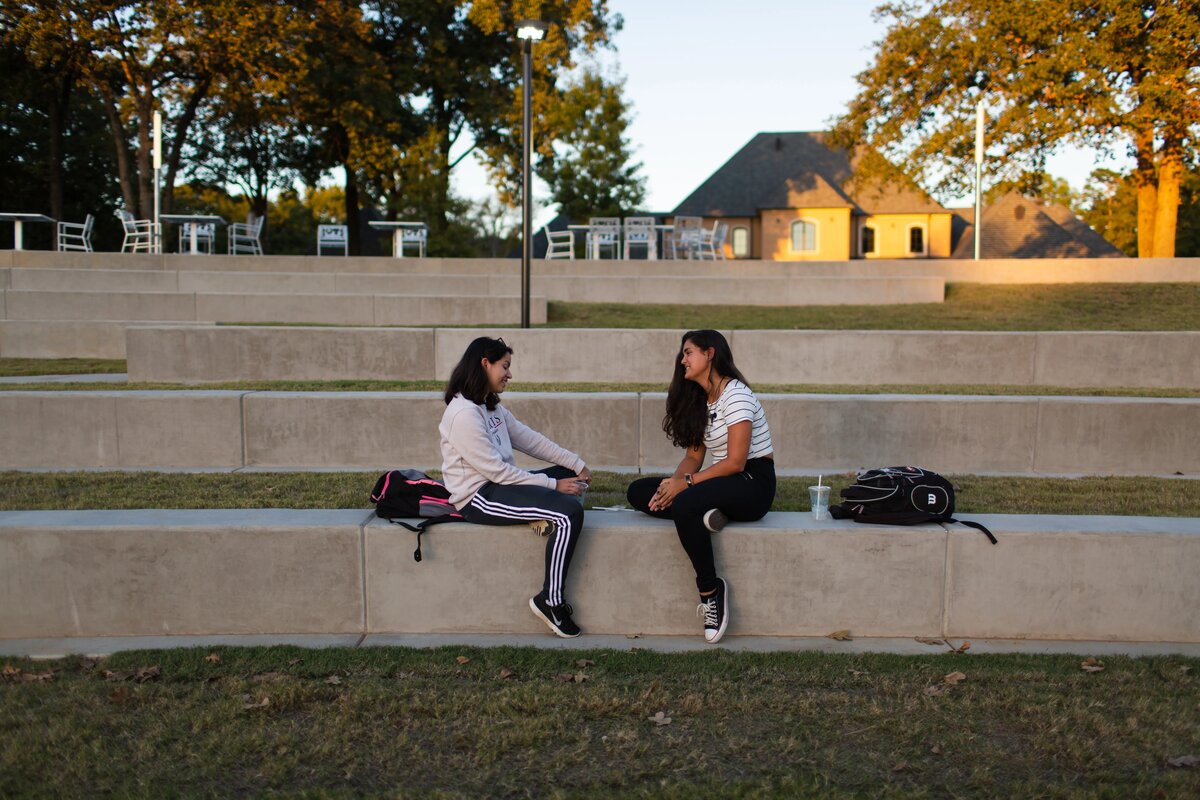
point(477, 448)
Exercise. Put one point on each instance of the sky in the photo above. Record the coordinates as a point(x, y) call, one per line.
point(703, 77)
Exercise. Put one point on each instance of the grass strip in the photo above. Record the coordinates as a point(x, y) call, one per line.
point(522, 722)
point(22, 367)
point(1124, 496)
point(989, 390)
point(967, 307)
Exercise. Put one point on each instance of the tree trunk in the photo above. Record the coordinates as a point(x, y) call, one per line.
point(145, 154)
point(175, 153)
point(1170, 171)
point(1146, 179)
point(59, 113)
point(118, 133)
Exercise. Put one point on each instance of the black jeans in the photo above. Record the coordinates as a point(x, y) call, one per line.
point(744, 497)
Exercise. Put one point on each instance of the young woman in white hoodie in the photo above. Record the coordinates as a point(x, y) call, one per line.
point(486, 486)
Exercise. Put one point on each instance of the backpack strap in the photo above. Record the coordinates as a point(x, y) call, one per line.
point(976, 526)
point(420, 527)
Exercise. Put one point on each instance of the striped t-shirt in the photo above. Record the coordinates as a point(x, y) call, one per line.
point(736, 404)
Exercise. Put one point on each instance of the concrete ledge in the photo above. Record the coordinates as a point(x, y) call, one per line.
point(107, 573)
point(812, 432)
point(1092, 359)
point(270, 571)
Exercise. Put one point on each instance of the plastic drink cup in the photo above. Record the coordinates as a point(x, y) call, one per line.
point(819, 497)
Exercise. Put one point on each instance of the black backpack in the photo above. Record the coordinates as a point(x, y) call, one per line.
point(408, 493)
point(900, 496)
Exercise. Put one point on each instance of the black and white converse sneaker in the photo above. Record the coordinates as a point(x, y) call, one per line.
point(715, 520)
point(715, 610)
point(558, 618)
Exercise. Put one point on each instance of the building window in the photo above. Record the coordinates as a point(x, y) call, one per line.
point(868, 240)
point(741, 242)
point(804, 236)
point(916, 240)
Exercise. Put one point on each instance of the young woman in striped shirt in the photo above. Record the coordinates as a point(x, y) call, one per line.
point(710, 408)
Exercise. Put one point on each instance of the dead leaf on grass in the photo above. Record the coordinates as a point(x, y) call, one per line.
point(293, 662)
point(506, 673)
point(651, 689)
point(936, 750)
point(839, 636)
point(213, 658)
point(10, 670)
point(334, 680)
point(584, 662)
point(580, 677)
point(962, 648)
point(463, 660)
point(900, 767)
point(565, 677)
point(660, 718)
point(1091, 664)
point(935, 691)
point(248, 702)
point(147, 674)
point(38, 677)
point(110, 675)
point(1184, 762)
point(954, 678)
point(857, 673)
point(927, 640)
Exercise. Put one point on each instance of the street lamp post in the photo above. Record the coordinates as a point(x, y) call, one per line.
point(528, 31)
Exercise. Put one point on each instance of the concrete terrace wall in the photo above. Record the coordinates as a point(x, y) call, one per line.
point(812, 433)
point(1054, 270)
point(1088, 359)
point(110, 573)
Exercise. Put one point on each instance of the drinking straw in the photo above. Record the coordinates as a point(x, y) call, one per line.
point(819, 481)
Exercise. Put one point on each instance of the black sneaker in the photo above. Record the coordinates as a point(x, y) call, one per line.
point(715, 610)
point(557, 617)
point(715, 520)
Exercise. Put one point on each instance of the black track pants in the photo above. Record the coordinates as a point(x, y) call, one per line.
point(497, 504)
point(744, 497)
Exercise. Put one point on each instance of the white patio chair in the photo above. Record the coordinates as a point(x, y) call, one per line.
point(335, 236)
point(685, 237)
point(639, 232)
point(560, 244)
point(712, 242)
point(76, 236)
point(141, 235)
point(244, 237)
point(416, 237)
point(604, 232)
point(206, 237)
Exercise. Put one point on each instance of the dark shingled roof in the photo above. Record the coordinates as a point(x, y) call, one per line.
point(797, 170)
point(1019, 227)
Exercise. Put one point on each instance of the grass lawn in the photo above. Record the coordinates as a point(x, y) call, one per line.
point(1141, 496)
point(509, 722)
point(968, 307)
point(20, 367)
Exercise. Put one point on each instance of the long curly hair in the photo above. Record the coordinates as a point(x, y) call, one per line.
point(470, 378)
point(687, 404)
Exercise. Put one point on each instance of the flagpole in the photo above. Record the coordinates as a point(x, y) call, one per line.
point(978, 173)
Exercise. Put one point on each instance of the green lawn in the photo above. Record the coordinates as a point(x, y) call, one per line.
point(510, 722)
point(977, 494)
point(968, 307)
point(20, 367)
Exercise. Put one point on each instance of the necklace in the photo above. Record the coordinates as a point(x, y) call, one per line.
point(720, 386)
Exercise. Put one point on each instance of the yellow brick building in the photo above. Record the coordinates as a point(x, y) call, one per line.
point(790, 197)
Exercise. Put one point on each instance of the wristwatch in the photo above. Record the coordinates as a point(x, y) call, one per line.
point(687, 478)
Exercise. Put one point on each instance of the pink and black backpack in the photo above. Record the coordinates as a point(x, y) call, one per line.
point(407, 494)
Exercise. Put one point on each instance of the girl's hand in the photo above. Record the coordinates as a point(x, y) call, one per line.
point(572, 486)
point(585, 475)
point(665, 495)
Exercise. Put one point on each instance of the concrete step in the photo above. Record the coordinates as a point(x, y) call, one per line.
point(1079, 359)
point(289, 572)
point(812, 433)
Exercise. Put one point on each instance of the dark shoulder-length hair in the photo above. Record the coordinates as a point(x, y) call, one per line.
point(470, 378)
point(687, 404)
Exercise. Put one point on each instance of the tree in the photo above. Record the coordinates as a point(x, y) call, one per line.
point(1110, 202)
point(1094, 72)
point(590, 169)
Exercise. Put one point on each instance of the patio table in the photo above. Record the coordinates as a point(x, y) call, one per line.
point(397, 229)
point(17, 219)
point(196, 221)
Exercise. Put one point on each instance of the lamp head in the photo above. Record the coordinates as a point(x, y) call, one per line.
point(533, 29)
